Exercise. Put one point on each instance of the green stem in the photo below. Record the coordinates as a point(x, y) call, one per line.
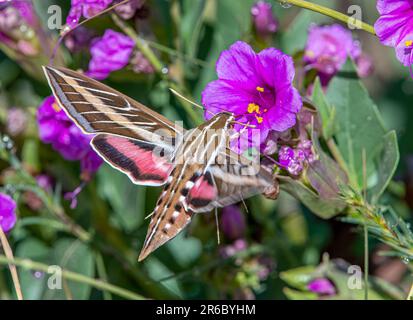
point(331, 13)
point(366, 263)
point(73, 276)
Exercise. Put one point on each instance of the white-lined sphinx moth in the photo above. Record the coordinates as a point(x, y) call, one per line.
point(198, 170)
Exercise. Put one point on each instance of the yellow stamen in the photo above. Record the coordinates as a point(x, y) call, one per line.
point(260, 89)
point(259, 119)
point(56, 107)
point(310, 53)
point(409, 43)
point(252, 107)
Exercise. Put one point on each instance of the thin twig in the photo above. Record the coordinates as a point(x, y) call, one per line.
point(366, 235)
point(12, 267)
point(73, 276)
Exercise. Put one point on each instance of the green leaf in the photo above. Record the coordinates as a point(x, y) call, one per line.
point(77, 257)
point(190, 25)
point(387, 163)
point(185, 250)
point(325, 209)
point(126, 199)
point(359, 124)
point(299, 295)
point(326, 111)
point(32, 287)
point(298, 277)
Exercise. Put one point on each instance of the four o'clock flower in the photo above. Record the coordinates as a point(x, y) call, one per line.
point(328, 48)
point(257, 88)
point(109, 53)
point(264, 21)
point(395, 27)
point(7, 212)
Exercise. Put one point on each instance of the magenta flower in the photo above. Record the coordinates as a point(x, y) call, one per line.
point(257, 88)
point(395, 27)
point(328, 48)
point(57, 129)
point(85, 8)
point(7, 212)
point(109, 53)
point(264, 21)
point(322, 286)
point(232, 222)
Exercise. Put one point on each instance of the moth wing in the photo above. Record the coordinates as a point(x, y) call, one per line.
point(142, 162)
point(97, 108)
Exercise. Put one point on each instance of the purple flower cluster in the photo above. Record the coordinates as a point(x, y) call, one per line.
point(395, 27)
point(57, 129)
point(328, 48)
point(85, 8)
point(7, 212)
point(293, 160)
point(90, 8)
point(109, 53)
point(257, 88)
point(264, 21)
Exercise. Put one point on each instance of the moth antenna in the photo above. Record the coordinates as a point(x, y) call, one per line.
point(186, 99)
point(149, 215)
point(246, 125)
point(217, 224)
point(245, 205)
point(66, 30)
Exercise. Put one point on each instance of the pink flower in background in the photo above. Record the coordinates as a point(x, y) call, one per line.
point(16, 121)
point(328, 48)
point(17, 21)
point(79, 39)
point(232, 222)
point(85, 8)
point(109, 53)
point(128, 10)
point(264, 21)
point(57, 129)
point(140, 64)
point(395, 27)
point(7, 212)
point(322, 286)
point(257, 88)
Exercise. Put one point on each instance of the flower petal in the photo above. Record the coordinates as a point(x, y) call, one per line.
point(275, 68)
point(220, 96)
point(237, 63)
